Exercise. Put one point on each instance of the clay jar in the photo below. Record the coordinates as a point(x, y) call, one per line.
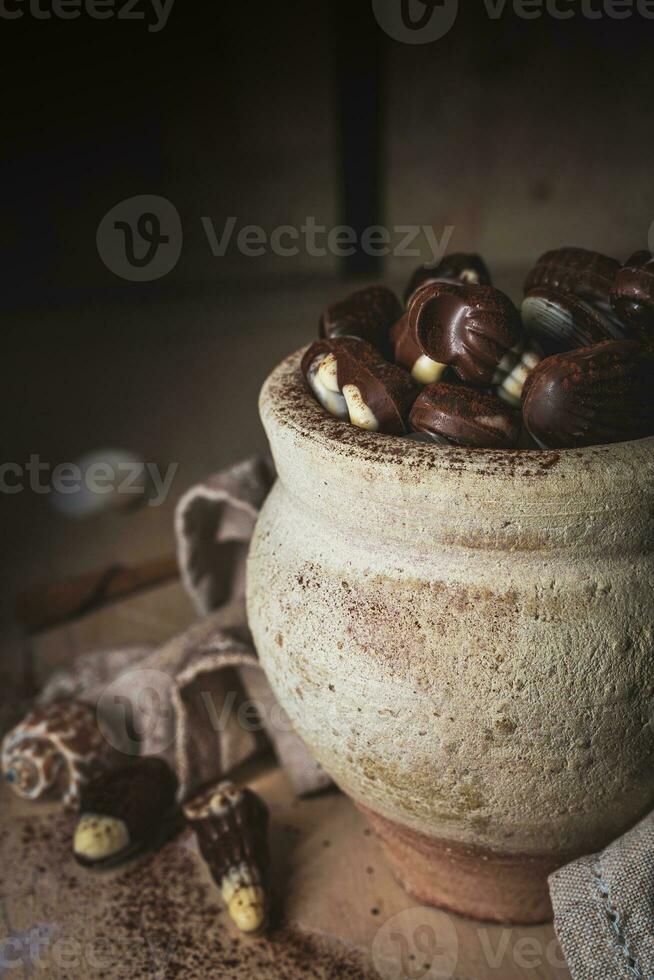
point(464, 639)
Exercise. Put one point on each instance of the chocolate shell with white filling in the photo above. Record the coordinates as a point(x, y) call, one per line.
point(367, 314)
point(465, 417)
point(475, 330)
point(632, 296)
point(126, 812)
point(591, 396)
point(576, 270)
point(231, 825)
point(561, 321)
point(463, 267)
point(377, 395)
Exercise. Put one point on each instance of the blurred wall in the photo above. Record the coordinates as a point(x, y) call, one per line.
point(524, 135)
point(519, 134)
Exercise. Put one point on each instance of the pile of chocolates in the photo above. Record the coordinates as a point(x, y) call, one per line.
point(461, 366)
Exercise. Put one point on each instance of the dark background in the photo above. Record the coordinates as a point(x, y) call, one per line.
point(523, 135)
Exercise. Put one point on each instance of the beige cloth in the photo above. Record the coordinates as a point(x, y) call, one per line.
point(604, 909)
point(201, 701)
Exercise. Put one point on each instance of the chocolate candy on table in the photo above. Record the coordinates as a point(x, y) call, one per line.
point(560, 320)
point(473, 329)
point(231, 824)
point(367, 314)
point(632, 295)
point(352, 380)
point(465, 417)
point(124, 812)
point(591, 396)
point(457, 267)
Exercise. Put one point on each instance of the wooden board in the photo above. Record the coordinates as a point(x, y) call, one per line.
point(147, 618)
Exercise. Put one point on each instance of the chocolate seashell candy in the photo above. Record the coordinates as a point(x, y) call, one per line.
point(475, 330)
point(584, 273)
point(591, 396)
point(367, 314)
point(231, 824)
point(465, 417)
point(352, 380)
point(458, 267)
point(561, 321)
point(125, 812)
point(632, 296)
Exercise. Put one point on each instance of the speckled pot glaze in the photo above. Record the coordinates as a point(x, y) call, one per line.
point(465, 640)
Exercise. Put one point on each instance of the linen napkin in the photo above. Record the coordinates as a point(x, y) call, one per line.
point(201, 701)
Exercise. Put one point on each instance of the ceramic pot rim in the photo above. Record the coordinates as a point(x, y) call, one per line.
point(286, 402)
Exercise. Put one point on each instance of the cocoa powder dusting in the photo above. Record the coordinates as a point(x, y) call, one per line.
point(295, 408)
point(159, 917)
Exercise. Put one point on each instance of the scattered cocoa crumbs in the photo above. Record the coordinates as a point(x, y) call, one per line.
point(158, 917)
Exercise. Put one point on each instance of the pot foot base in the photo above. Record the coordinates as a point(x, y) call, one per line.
point(471, 881)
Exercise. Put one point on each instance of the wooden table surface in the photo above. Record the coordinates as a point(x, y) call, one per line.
point(339, 912)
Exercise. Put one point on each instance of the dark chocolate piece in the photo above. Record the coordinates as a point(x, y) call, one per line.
point(632, 296)
point(466, 417)
point(231, 824)
point(578, 271)
point(367, 314)
point(124, 812)
point(378, 395)
point(561, 321)
point(474, 329)
point(591, 396)
point(457, 267)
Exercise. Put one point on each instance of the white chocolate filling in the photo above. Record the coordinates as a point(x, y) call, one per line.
point(332, 401)
point(511, 387)
point(97, 837)
point(426, 371)
point(507, 364)
point(360, 413)
point(244, 897)
point(327, 373)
